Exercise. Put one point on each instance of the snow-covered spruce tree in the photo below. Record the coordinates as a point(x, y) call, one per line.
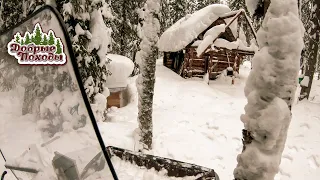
point(172, 10)
point(305, 15)
point(270, 91)
point(10, 13)
point(165, 18)
point(311, 50)
point(91, 41)
point(191, 7)
point(318, 65)
point(257, 10)
point(125, 32)
point(178, 9)
point(14, 11)
point(147, 62)
point(125, 26)
point(240, 4)
point(204, 3)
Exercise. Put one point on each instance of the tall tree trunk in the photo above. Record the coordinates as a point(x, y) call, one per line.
point(270, 91)
point(312, 50)
point(146, 80)
point(123, 31)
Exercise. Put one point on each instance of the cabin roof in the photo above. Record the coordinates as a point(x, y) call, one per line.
point(186, 31)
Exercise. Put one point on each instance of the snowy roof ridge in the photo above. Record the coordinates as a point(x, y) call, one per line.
point(231, 13)
point(236, 15)
point(202, 50)
point(184, 31)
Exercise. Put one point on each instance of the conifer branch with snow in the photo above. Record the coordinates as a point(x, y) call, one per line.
point(270, 90)
point(146, 58)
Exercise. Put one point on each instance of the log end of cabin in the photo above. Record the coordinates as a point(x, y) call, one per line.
point(114, 99)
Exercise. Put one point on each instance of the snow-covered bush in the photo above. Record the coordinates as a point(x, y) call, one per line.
point(91, 40)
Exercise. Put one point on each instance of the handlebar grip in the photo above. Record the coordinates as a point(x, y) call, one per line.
point(3, 174)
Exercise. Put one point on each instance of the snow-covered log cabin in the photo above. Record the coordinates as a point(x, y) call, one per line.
point(208, 41)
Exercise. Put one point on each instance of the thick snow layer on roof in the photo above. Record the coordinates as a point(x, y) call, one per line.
point(121, 67)
point(222, 43)
point(239, 44)
point(189, 27)
point(209, 37)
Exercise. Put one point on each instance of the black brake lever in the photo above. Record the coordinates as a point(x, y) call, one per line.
point(3, 174)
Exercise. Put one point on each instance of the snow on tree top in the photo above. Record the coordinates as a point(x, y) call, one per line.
point(121, 68)
point(184, 31)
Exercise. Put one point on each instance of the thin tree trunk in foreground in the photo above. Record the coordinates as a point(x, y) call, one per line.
point(146, 80)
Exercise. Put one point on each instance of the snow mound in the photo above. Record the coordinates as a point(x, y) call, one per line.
point(189, 27)
point(121, 67)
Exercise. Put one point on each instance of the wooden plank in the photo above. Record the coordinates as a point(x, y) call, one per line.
point(223, 62)
point(197, 69)
point(114, 100)
point(202, 64)
point(197, 59)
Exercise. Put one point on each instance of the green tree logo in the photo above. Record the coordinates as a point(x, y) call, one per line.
point(44, 40)
point(27, 38)
point(18, 38)
point(37, 35)
point(44, 47)
point(51, 38)
point(58, 46)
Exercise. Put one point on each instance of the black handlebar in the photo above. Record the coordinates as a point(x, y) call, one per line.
point(3, 174)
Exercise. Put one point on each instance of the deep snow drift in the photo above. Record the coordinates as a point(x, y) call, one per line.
point(195, 123)
point(200, 124)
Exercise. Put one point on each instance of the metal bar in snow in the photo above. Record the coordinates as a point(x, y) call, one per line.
point(23, 169)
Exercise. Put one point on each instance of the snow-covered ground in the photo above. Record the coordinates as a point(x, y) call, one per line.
point(200, 124)
point(193, 122)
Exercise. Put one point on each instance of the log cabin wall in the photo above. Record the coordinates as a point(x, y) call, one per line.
point(173, 60)
point(213, 62)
